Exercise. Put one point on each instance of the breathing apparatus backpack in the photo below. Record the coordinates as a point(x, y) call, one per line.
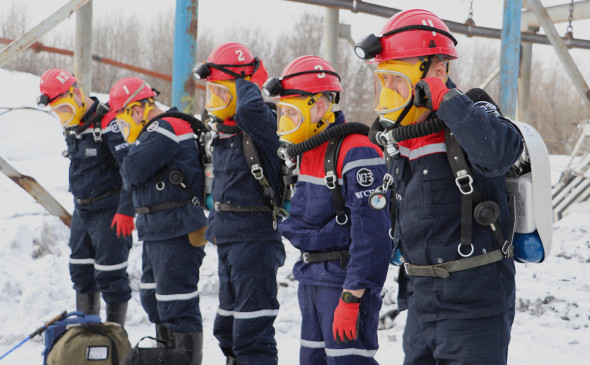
point(528, 187)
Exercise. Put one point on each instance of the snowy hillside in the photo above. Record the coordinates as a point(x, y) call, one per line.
point(553, 310)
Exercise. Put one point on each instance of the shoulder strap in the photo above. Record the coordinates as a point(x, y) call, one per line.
point(485, 213)
point(331, 179)
point(251, 155)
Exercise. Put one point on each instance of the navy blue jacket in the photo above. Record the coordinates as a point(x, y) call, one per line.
point(167, 145)
point(234, 184)
point(94, 166)
point(428, 226)
point(312, 225)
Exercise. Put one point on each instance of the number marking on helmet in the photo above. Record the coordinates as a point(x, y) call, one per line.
point(321, 75)
point(240, 54)
point(126, 89)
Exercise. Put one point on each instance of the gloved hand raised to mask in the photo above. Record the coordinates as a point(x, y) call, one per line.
point(429, 93)
point(124, 224)
point(260, 75)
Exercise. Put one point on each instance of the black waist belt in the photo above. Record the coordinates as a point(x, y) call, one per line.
point(162, 206)
point(444, 270)
point(220, 207)
point(92, 200)
point(311, 257)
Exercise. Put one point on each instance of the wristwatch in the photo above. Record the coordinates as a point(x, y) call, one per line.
point(347, 297)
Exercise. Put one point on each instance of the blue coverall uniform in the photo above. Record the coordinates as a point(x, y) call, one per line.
point(465, 318)
point(98, 261)
point(165, 217)
point(312, 227)
point(249, 247)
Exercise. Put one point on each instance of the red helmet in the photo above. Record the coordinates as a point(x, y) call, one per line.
point(127, 90)
point(230, 61)
point(406, 41)
point(310, 74)
point(55, 82)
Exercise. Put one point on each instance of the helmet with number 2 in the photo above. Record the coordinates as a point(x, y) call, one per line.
point(303, 82)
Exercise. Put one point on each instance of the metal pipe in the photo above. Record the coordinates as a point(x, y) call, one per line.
point(557, 13)
point(83, 47)
point(39, 47)
point(561, 50)
point(185, 55)
point(331, 25)
point(490, 78)
point(455, 27)
point(509, 57)
point(524, 82)
point(27, 39)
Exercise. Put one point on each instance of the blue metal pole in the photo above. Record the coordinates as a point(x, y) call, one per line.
point(185, 54)
point(510, 57)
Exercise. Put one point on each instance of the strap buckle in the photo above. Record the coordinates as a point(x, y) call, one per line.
point(257, 171)
point(97, 135)
point(216, 206)
point(195, 201)
point(331, 180)
point(387, 181)
point(305, 257)
point(464, 182)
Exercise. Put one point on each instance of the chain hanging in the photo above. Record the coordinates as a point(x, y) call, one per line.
point(569, 34)
point(470, 22)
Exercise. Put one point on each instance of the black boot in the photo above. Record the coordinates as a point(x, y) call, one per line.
point(232, 361)
point(165, 334)
point(89, 303)
point(191, 345)
point(117, 313)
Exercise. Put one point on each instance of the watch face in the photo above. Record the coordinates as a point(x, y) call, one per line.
point(347, 297)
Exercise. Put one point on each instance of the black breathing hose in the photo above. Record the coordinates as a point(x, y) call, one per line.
point(430, 126)
point(315, 141)
point(195, 123)
point(227, 129)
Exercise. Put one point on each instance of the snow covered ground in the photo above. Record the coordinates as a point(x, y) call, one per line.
point(553, 310)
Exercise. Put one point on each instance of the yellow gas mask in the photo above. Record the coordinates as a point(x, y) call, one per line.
point(221, 98)
point(294, 124)
point(67, 110)
point(129, 128)
point(394, 89)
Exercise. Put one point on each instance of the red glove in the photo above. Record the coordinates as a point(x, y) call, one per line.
point(259, 76)
point(429, 93)
point(346, 322)
point(124, 224)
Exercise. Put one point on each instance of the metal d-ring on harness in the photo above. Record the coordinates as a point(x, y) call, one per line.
point(176, 178)
point(485, 213)
point(331, 179)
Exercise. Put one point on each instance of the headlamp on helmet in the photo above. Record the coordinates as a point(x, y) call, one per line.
point(368, 47)
point(201, 71)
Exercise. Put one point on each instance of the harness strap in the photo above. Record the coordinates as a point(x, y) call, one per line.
point(311, 257)
point(444, 270)
point(162, 206)
point(331, 179)
point(221, 207)
point(92, 200)
point(257, 171)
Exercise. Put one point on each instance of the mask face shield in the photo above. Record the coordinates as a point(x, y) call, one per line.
point(221, 100)
point(294, 122)
point(394, 90)
point(127, 126)
point(67, 110)
point(289, 118)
